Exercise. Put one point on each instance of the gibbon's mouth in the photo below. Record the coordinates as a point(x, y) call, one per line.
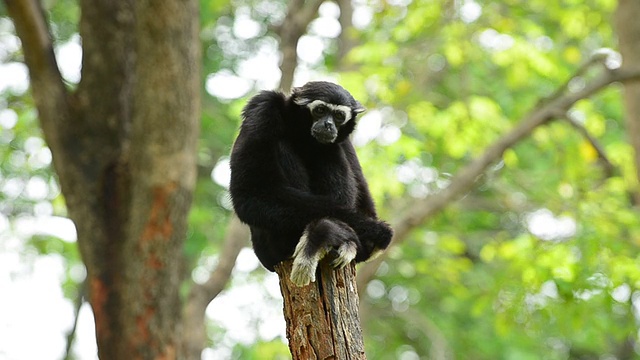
point(324, 137)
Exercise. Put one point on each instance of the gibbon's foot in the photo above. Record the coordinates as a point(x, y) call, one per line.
point(345, 254)
point(304, 264)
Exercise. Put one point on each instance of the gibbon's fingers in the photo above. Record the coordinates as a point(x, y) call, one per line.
point(346, 253)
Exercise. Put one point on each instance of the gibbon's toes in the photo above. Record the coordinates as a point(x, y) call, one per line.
point(304, 270)
point(346, 253)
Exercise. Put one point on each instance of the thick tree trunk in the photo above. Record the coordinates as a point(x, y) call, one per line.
point(124, 151)
point(322, 317)
point(628, 28)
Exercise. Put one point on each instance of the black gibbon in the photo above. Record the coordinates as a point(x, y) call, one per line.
point(297, 182)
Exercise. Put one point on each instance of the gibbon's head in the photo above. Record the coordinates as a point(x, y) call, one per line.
point(332, 109)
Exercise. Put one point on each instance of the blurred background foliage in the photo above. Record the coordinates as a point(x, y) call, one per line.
point(539, 261)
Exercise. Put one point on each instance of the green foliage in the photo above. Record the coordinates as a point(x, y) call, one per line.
point(63, 18)
point(539, 260)
point(492, 278)
point(262, 350)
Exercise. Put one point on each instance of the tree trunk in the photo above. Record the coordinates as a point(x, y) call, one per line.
point(123, 148)
point(322, 317)
point(628, 28)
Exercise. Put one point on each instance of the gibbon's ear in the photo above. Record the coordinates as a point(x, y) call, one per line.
point(359, 108)
point(298, 98)
point(301, 101)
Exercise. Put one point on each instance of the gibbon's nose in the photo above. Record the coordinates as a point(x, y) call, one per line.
point(328, 124)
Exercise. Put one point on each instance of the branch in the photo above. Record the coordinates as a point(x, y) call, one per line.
point(346, 40)
point(71, 335)
point(194, 334)
point(299, 14)
point(439, 348)
point(598, 58)
point(603, 159)
point(47, 86)
point(464, 180)
point(28, 17)
point(237, 236)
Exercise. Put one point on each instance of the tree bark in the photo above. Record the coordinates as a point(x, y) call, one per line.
point(322, 317)
point(628, 28)
point(123, 147)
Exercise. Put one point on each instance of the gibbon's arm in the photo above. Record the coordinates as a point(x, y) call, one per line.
point(283, 209)
point(365, 202)
point(258, 191)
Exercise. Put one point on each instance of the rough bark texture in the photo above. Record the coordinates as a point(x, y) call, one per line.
point(322, 317)
point(123, 148)
point(628, 28)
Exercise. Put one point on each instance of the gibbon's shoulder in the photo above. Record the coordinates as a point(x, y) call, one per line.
point(264, 111)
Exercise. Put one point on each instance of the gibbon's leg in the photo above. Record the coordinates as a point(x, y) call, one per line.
point(319, 238)
point(305, 262)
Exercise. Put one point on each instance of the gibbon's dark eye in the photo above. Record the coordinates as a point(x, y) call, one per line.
point(319, 110)
point(339, 117)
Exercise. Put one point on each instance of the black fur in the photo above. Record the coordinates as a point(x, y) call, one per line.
point(283, 179)
point(331, 233)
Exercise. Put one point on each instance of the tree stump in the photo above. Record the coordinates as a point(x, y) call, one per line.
point(322, 317)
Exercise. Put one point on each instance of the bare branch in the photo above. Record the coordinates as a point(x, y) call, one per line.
point(594, 59)
point(346, 40)
point(237, 237)
point(299, 14)
point(440, 348)
point(47, 86)
point(311, 12)
point(423, 210)
point(71, 335)
point(609, 169)
point(194, 335)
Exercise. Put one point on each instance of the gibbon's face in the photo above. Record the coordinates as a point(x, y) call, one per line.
point(330, 107)
point(327, 119)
